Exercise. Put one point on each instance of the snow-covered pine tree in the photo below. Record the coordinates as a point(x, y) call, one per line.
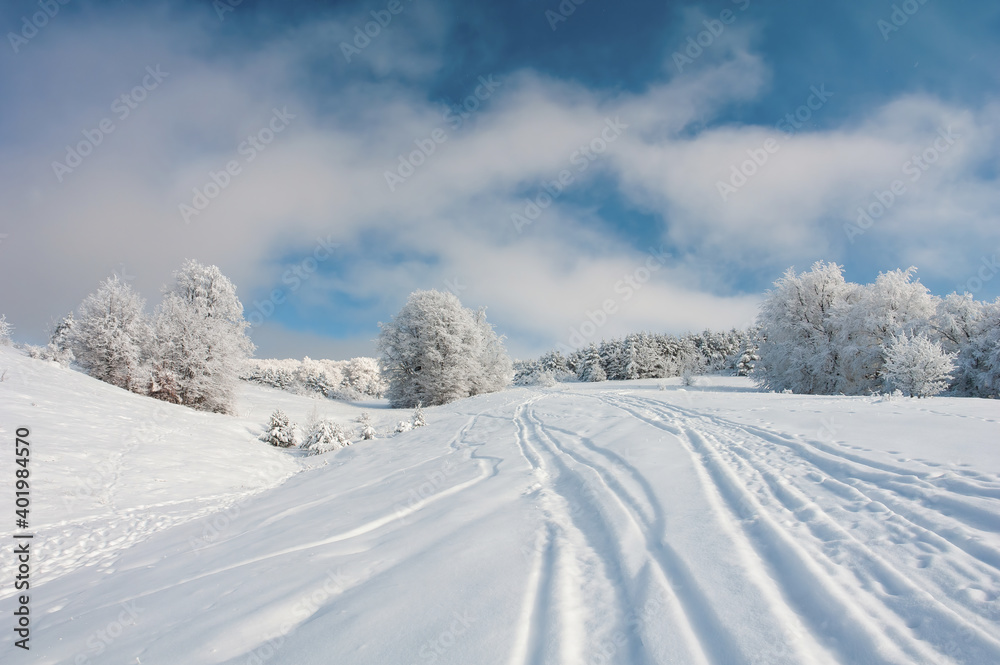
point(917, 366)
point(325, 436)
point(279, 431)
point(418, 416)
point(111, 334)
point(60, 347)
point(592, 369)
point(367, 430)
point(436, 351)
point(200, 338)
point(5, 330)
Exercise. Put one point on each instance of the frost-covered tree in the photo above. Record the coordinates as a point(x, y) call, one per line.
point(799, 351)
point(200, 340)
point(60, 346)
point(591, 369)
point(367, 429)
point(971, 329)
point(435, 351)
point(917, 366)
point(5, 330)
point(279, 431)
point(418, 416)
point(895, 305)
point(325, 436)
point(365, 376)
point(110, 335)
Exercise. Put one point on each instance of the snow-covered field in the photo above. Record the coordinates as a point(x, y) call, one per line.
point(614, 522)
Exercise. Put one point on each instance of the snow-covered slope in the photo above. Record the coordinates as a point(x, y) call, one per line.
point(587, 523)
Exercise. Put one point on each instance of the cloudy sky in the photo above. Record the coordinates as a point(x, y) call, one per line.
point(664, 161)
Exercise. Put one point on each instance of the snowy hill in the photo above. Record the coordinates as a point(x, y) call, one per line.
point(587, 523)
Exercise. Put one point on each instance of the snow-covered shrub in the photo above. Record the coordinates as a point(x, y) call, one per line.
point(918, 366)
point(404, 426)
point(367, 430)
point(110, 335)
point(418, 416)
point(436, 351)
point(326, 435)
point(688, 379)
point(5, 330)
point(280, 431)
point(200, 341)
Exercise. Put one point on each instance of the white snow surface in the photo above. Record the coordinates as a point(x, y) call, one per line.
point(608, 522)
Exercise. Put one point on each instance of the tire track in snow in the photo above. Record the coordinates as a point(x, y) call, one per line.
point(910, 605)
point(577, 542)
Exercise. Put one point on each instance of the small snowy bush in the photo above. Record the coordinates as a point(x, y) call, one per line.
point(418, 417)
point(918, 366)
point(279, 432)
point(367, 430)
point(404, 426)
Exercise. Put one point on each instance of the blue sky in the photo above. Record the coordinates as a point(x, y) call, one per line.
point(650, 110)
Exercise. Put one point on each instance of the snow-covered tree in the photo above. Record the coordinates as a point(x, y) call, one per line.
point(60, 346)
point(365, 376)
point(325, 436)
point(895, 305)
point(110, 335)
point(5, 330)
point(436, 351)
point(279, 431)
point(367, 430)
point(917, 366)
point(798, 351)
point(591, 369)
point(200, 340)
point(403, 426)
point(418, 416)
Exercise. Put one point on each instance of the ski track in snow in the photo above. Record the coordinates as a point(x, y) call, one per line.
point(813, 512)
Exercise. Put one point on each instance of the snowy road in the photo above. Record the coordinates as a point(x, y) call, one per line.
point(609, 523)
